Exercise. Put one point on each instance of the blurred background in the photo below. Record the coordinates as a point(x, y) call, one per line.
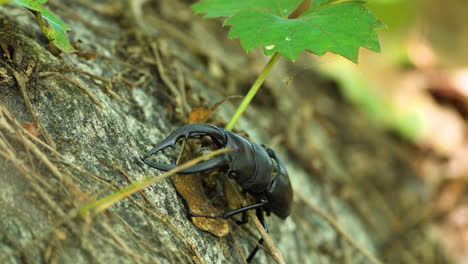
point(417, 88)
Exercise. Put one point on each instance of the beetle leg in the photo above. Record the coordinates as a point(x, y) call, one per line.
point(212, 163)
point(243, 210)
point(260, 242)
point(234, 212)
point(245, 219)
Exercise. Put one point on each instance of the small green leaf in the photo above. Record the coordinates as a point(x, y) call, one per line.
point(328, 26)
point(56, 32)
point(227, 8)
point(35, 5)
point(340, 28)
point(53, 20)
point(61, 41)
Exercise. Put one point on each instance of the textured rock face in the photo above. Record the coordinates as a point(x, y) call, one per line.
point(99, 121)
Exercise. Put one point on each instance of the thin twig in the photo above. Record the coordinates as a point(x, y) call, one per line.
point(182, 88)
point(22, 80)
point(164, 219)
point(15, 127)
point(93, 76)
point(275, 252)
point(327, 196)
point(104, 203)
point(75, 82)
point(168, 82)
point(36, 151)
point(42, 236)
point(269, 244)
point(334, 224)
point(119, 243)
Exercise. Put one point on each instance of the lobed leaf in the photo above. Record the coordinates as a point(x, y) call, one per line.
point(227, 8)
point(327, 26)
point(341, 28)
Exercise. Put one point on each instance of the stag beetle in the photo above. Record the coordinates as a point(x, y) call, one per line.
point(256, 168)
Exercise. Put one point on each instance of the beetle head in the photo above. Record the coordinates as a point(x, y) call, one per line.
point(247, 163)
point(250, 165)
point(191, 131)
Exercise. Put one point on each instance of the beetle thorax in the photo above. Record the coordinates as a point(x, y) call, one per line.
point(251, 163)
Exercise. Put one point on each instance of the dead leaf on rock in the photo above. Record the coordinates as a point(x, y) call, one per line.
point(190, 187)
point(199, 115)
point(32, 128)
point(86, 56)
point(202, 114)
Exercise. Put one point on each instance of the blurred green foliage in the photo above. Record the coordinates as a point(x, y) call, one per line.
point(399, 16)
point(383, 112)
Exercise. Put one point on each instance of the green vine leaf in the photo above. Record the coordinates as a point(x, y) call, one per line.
point(226, 8)
point(35, 5)
point(56, 32)
point(316, 3)
point(341, 28)
point(54, 21)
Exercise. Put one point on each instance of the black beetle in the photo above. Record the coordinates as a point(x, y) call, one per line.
point(256, 168)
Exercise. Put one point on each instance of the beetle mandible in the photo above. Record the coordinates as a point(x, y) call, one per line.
point(256, 168)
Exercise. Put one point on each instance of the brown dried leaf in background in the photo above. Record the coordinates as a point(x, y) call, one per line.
point(199, 115)
point(170, 112)
point(32, 128)
point(454, 234)
point(202, 114)
point(457, 167)
point(449, 196)
point(86, 56)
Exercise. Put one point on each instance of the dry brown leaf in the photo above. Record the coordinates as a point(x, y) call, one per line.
point(86, 56)
point(202, 114)
point(32, 128)
point(190, 187)
point(199, 115)
point(454, 234)
point(449, 196)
